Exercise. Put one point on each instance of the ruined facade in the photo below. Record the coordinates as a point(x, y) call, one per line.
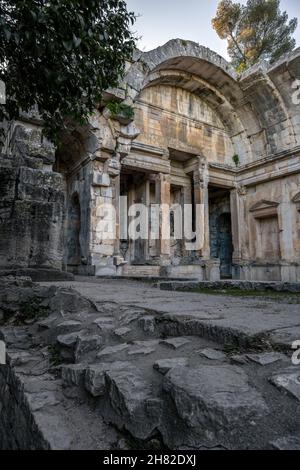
point(200, 134)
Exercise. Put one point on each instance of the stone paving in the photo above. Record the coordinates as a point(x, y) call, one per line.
point(122, 364)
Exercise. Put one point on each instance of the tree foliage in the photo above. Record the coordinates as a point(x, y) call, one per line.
point(59, 55)
point(257, 30)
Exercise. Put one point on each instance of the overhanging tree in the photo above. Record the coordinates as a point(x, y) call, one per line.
point(257, 30)
point(59, 55)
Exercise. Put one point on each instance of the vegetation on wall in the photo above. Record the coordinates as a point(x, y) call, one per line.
point(236, 160)
point(120, 110)
point(257, 30)
point(60, 55)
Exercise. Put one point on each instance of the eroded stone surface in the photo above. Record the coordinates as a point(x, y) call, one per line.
point(213, 354)
point(133, 400)
point(164, 365)
point(175, 343)
point(213, 399)
point(288, 381)
point(155, 391)
point(287, 443)
point(266, 358)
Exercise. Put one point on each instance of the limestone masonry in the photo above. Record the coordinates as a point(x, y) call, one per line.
point(200, 134)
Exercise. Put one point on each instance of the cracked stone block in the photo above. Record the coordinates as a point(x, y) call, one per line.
point(87, 343)
point(266, 359)
point(287, 443)
point(213, 354)
point(134, 402)
point(79, 344)
point(164, 365)
point(95, 382)
point(175, 343)
point(73, 375)
point(288, 381)
point(111, 350)
point(213, 399)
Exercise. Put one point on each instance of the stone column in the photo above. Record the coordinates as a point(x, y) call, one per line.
point(237, 204)
point(163, 198)
point(201, 179)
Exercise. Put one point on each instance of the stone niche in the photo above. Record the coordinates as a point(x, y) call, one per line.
point(266, 241)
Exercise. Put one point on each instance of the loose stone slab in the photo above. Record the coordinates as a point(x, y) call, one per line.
point(175, 343)
point(122, 331)
point(266, 359)
point(289, 382)
point(111, 350)
point(164, 365)
point(213, 354)
point(287, 443)
point(213, 399)
point(68, 326)
point(142, 351)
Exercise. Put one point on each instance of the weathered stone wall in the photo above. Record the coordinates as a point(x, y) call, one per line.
point(193, 114)
point(271, 240)
point(170, 117)
point(18, 430)
point(31, 203)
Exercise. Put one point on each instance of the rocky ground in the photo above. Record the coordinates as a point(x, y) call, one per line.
point(114, 364)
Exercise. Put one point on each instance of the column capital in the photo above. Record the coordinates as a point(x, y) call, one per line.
point(241, 190)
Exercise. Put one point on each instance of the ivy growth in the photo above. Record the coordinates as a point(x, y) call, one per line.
point(236, 160)
point(120, 110)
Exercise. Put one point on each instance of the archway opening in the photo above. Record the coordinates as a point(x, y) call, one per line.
point(221, 246)
point(73, 247)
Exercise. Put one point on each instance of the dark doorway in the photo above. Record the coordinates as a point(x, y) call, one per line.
point(73, 232)
point(225, 245)
point(221, 246)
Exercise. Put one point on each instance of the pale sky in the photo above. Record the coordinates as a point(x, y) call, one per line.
point(161, 20)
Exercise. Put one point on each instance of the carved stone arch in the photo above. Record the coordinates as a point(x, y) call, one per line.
point(270, 108)
point(229, 117)
point(216, 82)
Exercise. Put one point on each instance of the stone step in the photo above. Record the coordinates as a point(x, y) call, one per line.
point(141, 271)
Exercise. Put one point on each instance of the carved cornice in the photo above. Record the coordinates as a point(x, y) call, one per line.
point(265, 208)
point(296, 200)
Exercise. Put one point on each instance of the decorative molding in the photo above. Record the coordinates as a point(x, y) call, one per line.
point(241, 190)
point(264, 209)
point(296, 200)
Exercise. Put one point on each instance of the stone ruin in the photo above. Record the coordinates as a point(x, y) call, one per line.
point(116, 374)
point(199, 134)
